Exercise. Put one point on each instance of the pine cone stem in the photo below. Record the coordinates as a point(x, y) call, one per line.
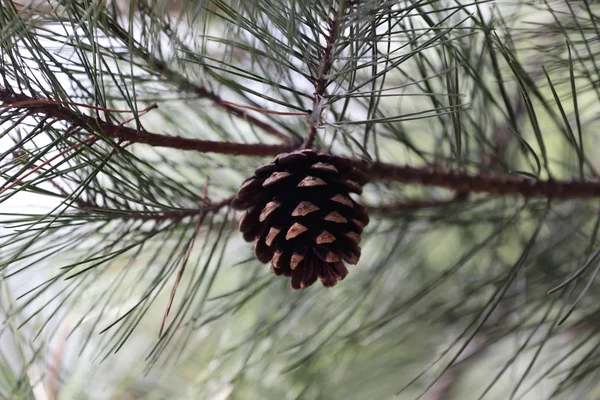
point(322, 80)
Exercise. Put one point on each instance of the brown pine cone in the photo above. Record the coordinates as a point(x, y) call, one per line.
point(301, 217)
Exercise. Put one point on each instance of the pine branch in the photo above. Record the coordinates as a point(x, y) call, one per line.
point(455, 180)
point(482, 182)
point(188, 86)
point(158, 216)
point(130, 135)
point(322, 81)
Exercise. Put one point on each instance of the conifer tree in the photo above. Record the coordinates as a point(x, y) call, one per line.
point(431, 163)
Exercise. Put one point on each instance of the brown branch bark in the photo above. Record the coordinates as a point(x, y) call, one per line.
point(482, 182)
point(200, 90)
point(9, 99)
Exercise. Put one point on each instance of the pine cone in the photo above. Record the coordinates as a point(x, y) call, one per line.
point(301, 217)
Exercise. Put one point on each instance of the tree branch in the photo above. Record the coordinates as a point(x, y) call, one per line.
point(157, 216)
point(188, 86)
point(455, 180)
point(181, 214)
point(482, 182)
point(53, 109)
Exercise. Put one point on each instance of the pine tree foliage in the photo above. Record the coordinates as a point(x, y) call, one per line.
point(126, 128)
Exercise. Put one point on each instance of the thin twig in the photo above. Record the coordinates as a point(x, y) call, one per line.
point(199, 90)
point(263, 111)
point(38, 102)
point(184, 263)
point(158, 216)
point(323, 79)
point(54, 363)
point(181, 214)
point(131, 135)
point(90, 141)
